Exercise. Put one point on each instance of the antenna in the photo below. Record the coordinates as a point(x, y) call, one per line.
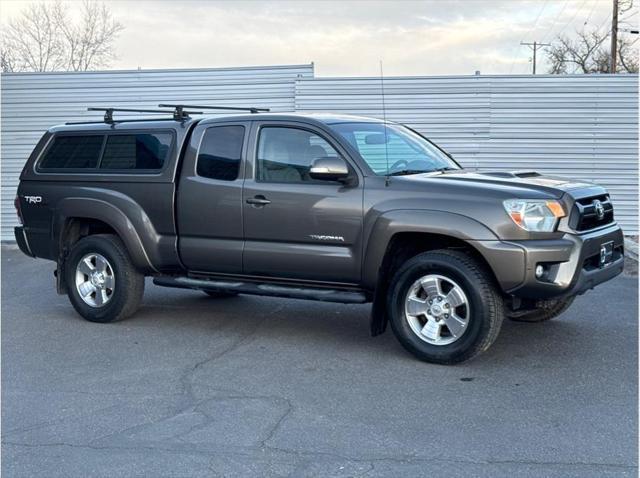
point(384, 119)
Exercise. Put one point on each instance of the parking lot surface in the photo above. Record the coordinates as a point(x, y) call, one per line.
point(249, 386)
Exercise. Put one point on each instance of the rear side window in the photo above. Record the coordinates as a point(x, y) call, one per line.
point(136, 151)
point(73, 152)
point(220, 152)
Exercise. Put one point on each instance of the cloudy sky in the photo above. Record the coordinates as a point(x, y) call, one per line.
point(342, 38)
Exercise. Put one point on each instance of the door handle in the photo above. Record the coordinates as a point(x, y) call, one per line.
point(258, 201)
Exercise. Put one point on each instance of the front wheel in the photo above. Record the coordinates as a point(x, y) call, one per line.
point(103, 284)
point(443, 307)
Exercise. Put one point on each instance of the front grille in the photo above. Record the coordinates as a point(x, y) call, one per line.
point(585, 215)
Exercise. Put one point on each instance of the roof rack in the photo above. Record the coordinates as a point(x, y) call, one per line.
point(178, 113)
point(180, 108)
point(108, 114)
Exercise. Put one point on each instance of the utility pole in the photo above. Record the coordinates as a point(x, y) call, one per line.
point(614, 37)
point(534, 46)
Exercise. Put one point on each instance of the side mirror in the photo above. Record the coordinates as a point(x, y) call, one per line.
point(329, 168)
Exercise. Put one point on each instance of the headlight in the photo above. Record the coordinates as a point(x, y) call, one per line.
point(534, 215)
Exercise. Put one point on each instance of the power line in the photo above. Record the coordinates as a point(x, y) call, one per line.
point(632, 15)
point(566, 25)
point(593, 9)
point(534, 46)
point(606, 21)
point(535, 22)
point(570, 22)
point(544, 5)
point(555, 20)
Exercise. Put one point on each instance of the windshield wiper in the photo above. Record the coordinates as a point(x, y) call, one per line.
point(404, 172)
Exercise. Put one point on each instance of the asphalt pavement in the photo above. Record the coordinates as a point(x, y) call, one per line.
point(249, 386)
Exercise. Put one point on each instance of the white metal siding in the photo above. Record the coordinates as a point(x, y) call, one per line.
point(583, 126)
point(33, 102)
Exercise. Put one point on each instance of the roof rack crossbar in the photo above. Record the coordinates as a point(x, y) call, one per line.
point(252, 109)
point(108, 113)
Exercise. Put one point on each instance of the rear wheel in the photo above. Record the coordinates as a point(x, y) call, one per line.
point(443, 307)
point(102, 283)
point(550, 310)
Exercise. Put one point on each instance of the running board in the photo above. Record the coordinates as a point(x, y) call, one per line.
point(256, 288)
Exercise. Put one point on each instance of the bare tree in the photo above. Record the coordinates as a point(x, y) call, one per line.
point(90, 42)
point(45, 37)
point(588, 53)
point(8, 61)
point(31, 40)
point(624, 6)
point(628, 55)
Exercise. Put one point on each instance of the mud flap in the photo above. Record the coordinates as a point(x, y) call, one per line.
point(61, 285)
point(379, 317)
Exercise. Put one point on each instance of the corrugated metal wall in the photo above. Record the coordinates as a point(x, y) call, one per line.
point(583, 126)
point(32, 102)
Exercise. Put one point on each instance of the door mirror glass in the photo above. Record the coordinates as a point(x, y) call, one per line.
point(329, 168)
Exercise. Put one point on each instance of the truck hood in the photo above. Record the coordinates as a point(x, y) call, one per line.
point(523, 180)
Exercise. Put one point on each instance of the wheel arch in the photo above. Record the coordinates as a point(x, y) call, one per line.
point(401, 235)
point(428, 223)
point(80, 217)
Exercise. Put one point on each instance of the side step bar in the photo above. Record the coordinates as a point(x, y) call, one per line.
point(256, 288)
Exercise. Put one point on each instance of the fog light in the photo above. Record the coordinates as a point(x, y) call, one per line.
point(539, 271)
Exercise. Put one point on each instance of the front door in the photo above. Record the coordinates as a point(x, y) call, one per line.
point(296, 227)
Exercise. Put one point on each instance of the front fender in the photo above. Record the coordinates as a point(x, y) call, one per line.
point(421, 221)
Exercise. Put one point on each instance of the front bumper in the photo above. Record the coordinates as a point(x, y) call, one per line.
point(572, 263)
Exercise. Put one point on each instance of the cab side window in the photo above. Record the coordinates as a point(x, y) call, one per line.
point(220, 153)
point(286, 154)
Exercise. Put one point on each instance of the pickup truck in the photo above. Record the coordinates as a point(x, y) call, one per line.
point(324, 207)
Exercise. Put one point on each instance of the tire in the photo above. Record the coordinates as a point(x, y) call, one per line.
point(219, 295)
point(104, 304)
point(482, 310)
point(551, 309)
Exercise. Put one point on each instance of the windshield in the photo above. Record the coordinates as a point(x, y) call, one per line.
point(396, 151)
